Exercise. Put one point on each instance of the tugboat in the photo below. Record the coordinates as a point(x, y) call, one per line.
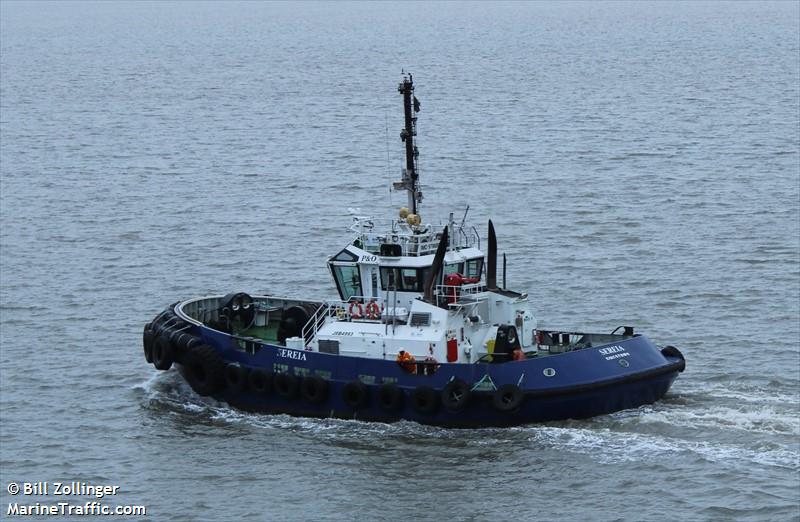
point(420, 331)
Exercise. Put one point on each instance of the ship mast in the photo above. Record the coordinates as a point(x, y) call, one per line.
point(410, 181)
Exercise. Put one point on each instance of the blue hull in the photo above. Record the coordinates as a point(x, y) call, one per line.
point(573, 385)
point(480, 412)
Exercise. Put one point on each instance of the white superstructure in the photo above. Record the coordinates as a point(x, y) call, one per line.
point(381, 277)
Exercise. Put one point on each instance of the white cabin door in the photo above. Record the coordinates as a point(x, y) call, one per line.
point(370, 280)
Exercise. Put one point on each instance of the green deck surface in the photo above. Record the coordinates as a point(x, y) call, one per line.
point(268, 333)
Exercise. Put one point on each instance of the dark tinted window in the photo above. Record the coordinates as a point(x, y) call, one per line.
point(474, 267)
point(403, 279)
point(347, 280)
point(454, 268)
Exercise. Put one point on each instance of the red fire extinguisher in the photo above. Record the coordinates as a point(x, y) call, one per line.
point(452, 350)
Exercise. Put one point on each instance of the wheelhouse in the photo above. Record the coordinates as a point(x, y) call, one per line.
point(363, 276)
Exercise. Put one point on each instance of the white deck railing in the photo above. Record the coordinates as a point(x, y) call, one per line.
point(417, 240)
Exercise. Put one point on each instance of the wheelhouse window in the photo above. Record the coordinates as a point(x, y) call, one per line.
point(474, 268)
point(409, 278)
point(347, 281)
point(456, 268)
point(403, 279)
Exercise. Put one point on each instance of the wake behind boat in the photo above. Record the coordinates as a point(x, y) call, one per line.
point(421, 331)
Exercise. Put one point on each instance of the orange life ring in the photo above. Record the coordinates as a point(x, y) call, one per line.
point(356, 310)
point(373, 310)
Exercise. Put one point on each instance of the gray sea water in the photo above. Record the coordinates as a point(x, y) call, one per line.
point(641, 162)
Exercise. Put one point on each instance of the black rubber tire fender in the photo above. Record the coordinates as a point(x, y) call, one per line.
point(355, 394)
point(425, 400)
point(507, 398)
point(235, 377)
point(177, 347)
point(259, 381)
point(204, 370)
point(390, 397)
point(190, 342)
point(183, 342)
point(286, 385)
point(175, 332)
point(148, 338)
point(671, 351)
point(163, 354)
point(314, 389)
point(456, 395)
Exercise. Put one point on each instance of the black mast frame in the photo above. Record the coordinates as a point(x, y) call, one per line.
point(410, 180)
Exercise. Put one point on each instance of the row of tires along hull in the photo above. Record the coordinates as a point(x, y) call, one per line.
point(356, 395)
point(165, 342)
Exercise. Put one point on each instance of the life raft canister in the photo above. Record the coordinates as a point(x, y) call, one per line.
point(356, 310)
point(373, 310)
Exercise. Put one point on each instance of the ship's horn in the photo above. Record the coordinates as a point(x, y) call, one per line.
point(436, 267)
point(491, 259)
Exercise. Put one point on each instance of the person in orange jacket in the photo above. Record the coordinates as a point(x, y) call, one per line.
point(407, 361)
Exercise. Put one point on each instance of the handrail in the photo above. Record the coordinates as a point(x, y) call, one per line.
point(451, 294)
point(413, 240)
point(340, 309)
point(312, 326)
point(465, 289)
